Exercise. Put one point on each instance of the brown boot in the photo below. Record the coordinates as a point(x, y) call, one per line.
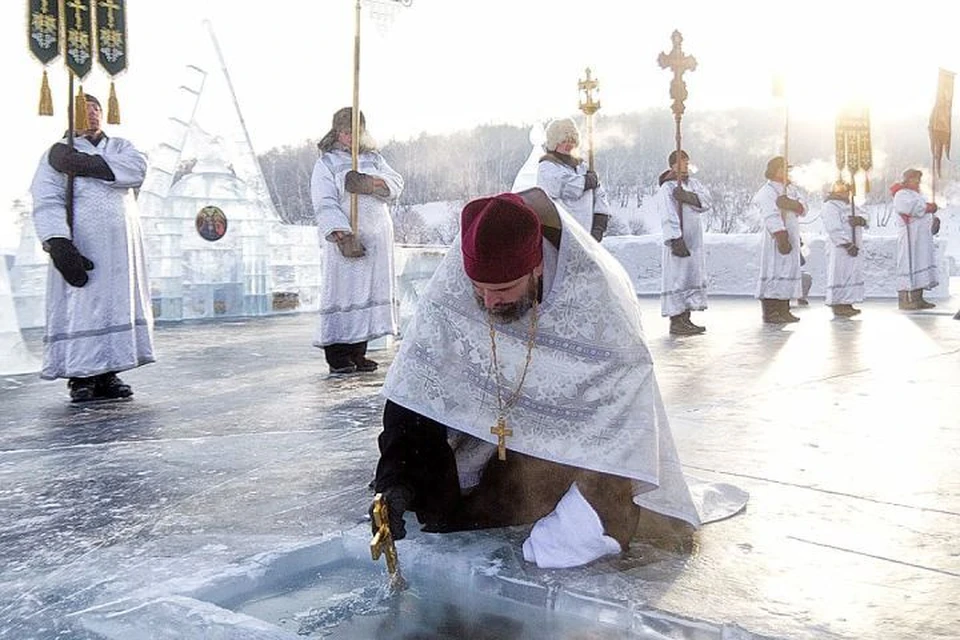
point(905, 301)
point(921, 303)
point(783, 308)
point(769, 311)
point(844, 310)
point(680, 328)
point(687, 321)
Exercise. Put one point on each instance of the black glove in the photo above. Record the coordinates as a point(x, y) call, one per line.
point(590, 180)
point(935, 227)
point(66, 159)
point(599, 226)
point(852, 250)
point(679, 248)
point(858, 221)
point(788, 203)
point(68, 260)
point(686, 197)
point(364, 184)
point(398, 499)
point(783, 242)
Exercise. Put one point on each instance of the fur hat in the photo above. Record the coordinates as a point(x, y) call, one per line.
point(343, 122)
point(501, 239)
point(561, 130)
point(911, 173)
point(774, 165)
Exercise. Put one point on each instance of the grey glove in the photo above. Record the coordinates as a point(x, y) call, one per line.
point(679, 248)
point(398, 499)
point(66, 159)
point(783, 242)
point(68, 260)
point(852, 250)
point(935, 226)
point(858, 221)
point(365, 184)
point(686, 197)
point(788, 203)
point(590, 180)
point(599, 226)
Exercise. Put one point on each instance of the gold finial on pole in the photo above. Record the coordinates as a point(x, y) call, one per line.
point(383, 544)
point(678, 62)
point(589, 106)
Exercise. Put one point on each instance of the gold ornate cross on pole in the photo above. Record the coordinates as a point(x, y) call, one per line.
point(383, 544)
point(589, 105)
point(501, 431)
point(678, 62)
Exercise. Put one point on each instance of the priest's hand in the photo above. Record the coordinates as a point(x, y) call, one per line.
point(590, 180)
point(398, 499)
point(686, 197)
point(66, 159)
point(852, 250)
point(935, 227)
point(679, 248)
point(365, 184)
point(789, 204)
point(783, 242)
point(68, 260)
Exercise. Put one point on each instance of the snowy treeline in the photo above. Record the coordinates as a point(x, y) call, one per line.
point(730, 148)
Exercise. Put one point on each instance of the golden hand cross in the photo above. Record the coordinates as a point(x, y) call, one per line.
point(501, 431)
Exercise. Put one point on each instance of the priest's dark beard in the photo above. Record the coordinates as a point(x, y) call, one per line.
point(511, 312)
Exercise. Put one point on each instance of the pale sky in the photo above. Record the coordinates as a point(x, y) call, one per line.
point(444, 65)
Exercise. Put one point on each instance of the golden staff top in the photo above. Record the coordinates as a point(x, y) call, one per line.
point(940, 120)
point(75, 28)
point(679, 63)
point(589, 106)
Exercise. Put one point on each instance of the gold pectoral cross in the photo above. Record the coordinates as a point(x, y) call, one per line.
point(501, 431)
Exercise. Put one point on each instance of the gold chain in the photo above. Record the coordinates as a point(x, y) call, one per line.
point(502, 407)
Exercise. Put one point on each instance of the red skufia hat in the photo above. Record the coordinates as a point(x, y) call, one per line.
point(500, 238)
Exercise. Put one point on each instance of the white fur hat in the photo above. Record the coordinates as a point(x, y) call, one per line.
point(560, 131)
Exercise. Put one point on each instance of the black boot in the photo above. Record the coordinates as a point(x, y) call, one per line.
point(109, 386)
point(82, 389)
point(339, 358)
point(359, 359)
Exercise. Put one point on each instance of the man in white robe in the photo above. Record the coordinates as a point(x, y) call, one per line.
point(524, 392)
point(683, 284)
point(569, 181)
point(356, 291)
point(844, 225)
point(778, 205)
point(917, 223)
point(99, 318)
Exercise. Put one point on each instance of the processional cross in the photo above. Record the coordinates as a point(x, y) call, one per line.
point(679, 63)
point(501, 431)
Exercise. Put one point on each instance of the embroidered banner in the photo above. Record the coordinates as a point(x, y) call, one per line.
point(78, 18)
point(43, 29)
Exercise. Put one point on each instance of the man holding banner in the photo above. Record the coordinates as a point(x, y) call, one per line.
point(99, 319)
point(916, 225)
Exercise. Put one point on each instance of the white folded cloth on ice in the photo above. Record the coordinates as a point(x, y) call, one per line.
point(570, 536)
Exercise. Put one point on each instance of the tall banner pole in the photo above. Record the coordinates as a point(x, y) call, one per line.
point(355, 125)
point(854, 150)
point(678, 62)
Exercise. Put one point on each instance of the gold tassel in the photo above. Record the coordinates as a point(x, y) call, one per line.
point(113, 106)
point(80, 121)
point(46, 100)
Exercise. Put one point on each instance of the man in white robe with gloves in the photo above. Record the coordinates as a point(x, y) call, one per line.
point(524, 393)
point(917, 223)
point(99, 318)
point(683, 283)
point(356, 289)
point(779, 205)
point(844, 227)
point(569, 181)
